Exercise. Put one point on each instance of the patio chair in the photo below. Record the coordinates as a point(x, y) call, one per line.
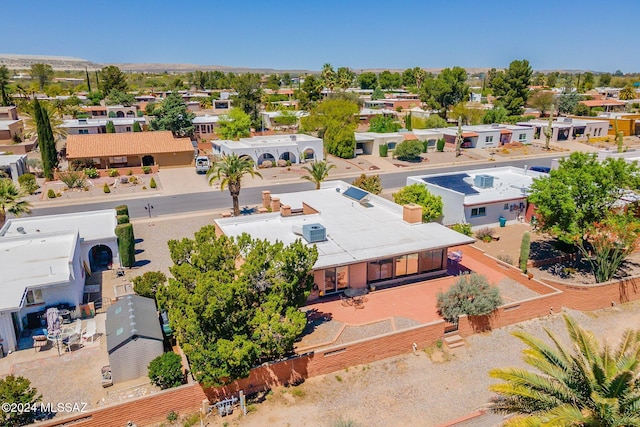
point(91, 330)
point(74, 339)
point(345, 301)
point(358, 303)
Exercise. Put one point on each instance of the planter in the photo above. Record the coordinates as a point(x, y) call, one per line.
point(530, 276)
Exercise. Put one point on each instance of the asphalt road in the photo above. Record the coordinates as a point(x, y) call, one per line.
point(215, 199)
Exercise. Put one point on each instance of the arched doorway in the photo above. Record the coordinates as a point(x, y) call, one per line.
point(147, 160)
point(266, 156)
point(288, 156)
point(130, 113)
point(309, 154)
point(120, 114)
point(100, 258)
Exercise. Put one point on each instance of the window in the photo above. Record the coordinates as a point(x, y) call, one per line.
point(430, 260)
point(488, 139)
point(522, 137)
point(336, 279)
point(380, 270)
point(35, 297)
point(122, 159)
point(128, 128)
point(506, 206)
point(478, 212)
point(83, 131)
point(391, 145)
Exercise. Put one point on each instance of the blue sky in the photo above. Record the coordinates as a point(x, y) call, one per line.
point(301, 34)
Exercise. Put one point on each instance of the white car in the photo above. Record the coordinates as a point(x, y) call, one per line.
point(202, 164)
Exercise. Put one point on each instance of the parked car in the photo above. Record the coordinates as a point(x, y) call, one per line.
point(543, 169)
point(202, 164)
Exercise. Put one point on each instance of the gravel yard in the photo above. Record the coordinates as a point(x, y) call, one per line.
point(424, 389)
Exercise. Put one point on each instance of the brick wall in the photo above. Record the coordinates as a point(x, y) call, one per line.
point(593, 297)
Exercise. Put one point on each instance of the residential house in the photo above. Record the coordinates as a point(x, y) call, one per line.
point(269, 118)
point(627, 123)
point(489, 136)
point(94, 126)
point(565, 128)
point(44, 263)
point(12, 139)
point(13, 165)
point(9, 113)
point(294, 148)
point(480, 197)
point(204, 126)
point(362, 239)
point(130, 149)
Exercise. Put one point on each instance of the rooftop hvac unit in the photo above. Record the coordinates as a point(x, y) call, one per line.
point(483, 181)
point(293, 137)
point(313, 233)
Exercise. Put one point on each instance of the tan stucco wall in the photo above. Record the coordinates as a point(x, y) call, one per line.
point(358, 275)
point(184, 158)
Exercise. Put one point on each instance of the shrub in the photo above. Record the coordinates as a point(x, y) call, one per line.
point(408, 151)
point(28, 183)
point(266, 164)
point(18, 390)
point(383, 149)
point(440, 145)
point(525, 248)
point(165, 371)
point(72, 179)
point(113, 173)
point(463, 228)
point(172, 417)
point(425, 146)
point(471, 295)
point(420, 195)
point(106, 188)
point(505, 258)
point(152, 183)
point(147, 284)
point(51, 194)
point(123, 219)
point(133, 180)
point(126, 244)
point(122, 210)
point(485, 234)
point(129, 172)
point(372, 183)
point(288, 162)
point(146, 170)
point(281, 163)
point(91, 173)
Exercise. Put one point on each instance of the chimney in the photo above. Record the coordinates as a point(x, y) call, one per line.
point(275, 204)
point(412, 213)
point(266, 198)
point(285, 210)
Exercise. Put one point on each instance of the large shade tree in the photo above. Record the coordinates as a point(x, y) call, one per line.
point(235, 125)
point(335, 121)
point(112, 78)
point(587, 384)
point(11, 200)
point(511, 87)
point(229, 172)
point(420, 195)
point(234, 302)
point(446, 90)
point(174, 116)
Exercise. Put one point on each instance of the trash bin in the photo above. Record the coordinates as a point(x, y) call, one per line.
point(503, 221)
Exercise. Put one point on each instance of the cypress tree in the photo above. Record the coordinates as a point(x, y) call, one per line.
point(42, 139)
point(88, 81)
point(136, 127)
point(408, 123)
point(97, 80)
point(126, 244)
point(525, 247)
point(50, 142)
point(111, 128)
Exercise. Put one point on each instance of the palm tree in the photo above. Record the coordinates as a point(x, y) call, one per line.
point(30, 125)
point(229, 171)
point(593, 386)
point(10, 202)
point(318, 172)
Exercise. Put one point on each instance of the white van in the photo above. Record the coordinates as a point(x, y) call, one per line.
point(202, 164)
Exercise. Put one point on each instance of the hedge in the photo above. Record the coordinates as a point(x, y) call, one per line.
point(122, 210)
point(126, 244)
point(123, 219)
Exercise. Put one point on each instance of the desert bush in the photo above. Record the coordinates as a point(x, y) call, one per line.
point(113, 173)
point(123, 219)
point(165, 371)
point(72, 179)
point(463, 228)
point(281, 163)
point(91, 173)
point(408, 151)
point(146, 170)
point(440, 145)
point(133, 180)
point(372, 183)
point(152, 183)
point(266, 164)
point(106, 188)
point(51, 194)
point(129, 172)
point(485, 234)
point(505, 258)
point(383, 149)
point(471, 295)
point(28, 183)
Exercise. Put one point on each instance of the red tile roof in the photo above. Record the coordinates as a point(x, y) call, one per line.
point(125, 144)
point(601, 102)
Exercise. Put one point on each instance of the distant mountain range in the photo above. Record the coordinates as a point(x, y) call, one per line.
point(61, 63)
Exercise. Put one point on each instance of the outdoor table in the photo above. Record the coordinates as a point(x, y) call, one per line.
point(58, 339)
point(355, 292)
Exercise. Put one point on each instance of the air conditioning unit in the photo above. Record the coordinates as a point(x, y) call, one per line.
point(483, 181)
point(313, 233)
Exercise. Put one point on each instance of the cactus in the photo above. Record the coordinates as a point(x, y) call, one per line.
point(619, 136)
point(525, 248)
point(459, 138)
point(548, 131)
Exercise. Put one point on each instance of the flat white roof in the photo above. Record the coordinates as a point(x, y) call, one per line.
point(83, 123)
point(32, 261)
point(206, 119)
point(93, 225)
point(355, 232)
point(509, 183)
point(8, 159)
point(4, 124)
point(269, 140)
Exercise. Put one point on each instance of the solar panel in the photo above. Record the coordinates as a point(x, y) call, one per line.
point(454, 182)
point(355, 193)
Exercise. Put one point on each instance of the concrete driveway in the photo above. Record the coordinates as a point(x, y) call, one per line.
point(183, 180)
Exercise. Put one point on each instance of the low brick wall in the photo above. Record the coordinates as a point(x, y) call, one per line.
point(602, 295)
point(136, 170)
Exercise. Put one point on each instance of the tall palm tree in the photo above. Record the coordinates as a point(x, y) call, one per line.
point(318, 172)
point(10, 202)
point(30, 125)
point(229, 171)
point(592, 386)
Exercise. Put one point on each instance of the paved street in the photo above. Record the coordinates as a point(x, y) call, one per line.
point(250, 195)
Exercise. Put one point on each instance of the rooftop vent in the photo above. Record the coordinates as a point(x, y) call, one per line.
point(483, 181)
point(21, 230)
point(313, 233)
point(293, 137)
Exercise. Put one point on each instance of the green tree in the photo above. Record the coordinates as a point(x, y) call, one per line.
point(10, 200)
point(116, 97)
point(470, 115)
point(110, 127)
point(286, 118)
point(408, 151)
point(335, 121)
point(28, 183)
point(318, 172)
point(495, 115)
point(136, 127)
point(434, 121)
point(470, 295)
point(377, 94)
point(628, 92)
point(230, 316)
point(586, 385)
point(389, 80)
point(248, 94)
point(525, 248)
point(588, 82)
point(229, 171)
point(174, 116)
point(567, 102)
point(4, 83)
point(329, 78)
point(604, 80)
point(165, 371)
point(86, 72)
point(420, 195)
point(407, 122)
point(448, 89)
point(541, 101)
point(512, 87)
point(46, 141)
point(372, 183)
point(147, 285)
point(126, 244)
point(235, 125)
point(96, 97)
point(383, 124)
point(552, 79)
point(112, 78)
point(273, 82)
point(42, 73)
point(310, 92)
point(368, 80)
point(344, 78)
point(18, 390)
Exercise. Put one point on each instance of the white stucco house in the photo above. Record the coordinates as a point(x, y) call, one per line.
point(489, 136)
point(44, 263)
point(273, 148)
point(481, 197)
point(566, 128)
point(93, 126)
